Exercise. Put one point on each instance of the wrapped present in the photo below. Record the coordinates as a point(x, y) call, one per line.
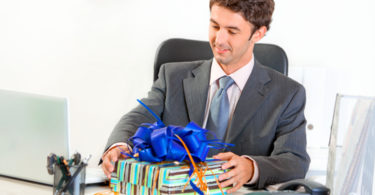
point(169, 160)
point(141, 177)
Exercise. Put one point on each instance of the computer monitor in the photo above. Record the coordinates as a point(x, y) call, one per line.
point(31, 127)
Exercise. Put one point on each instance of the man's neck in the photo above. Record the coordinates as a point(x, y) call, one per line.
point(231, 68)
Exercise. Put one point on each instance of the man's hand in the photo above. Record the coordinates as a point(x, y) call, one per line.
point(110, 157)
point(242, 170)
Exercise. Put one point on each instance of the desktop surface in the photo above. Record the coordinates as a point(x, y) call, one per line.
point(10, 186)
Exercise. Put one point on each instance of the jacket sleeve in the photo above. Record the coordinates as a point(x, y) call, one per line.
point(288, 159)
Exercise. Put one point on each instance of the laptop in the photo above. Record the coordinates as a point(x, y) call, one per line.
point(31, 127)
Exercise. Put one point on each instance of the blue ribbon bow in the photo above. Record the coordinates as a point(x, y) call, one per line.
point(157, 142)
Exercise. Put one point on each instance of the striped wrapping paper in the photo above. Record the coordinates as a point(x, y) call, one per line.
point(137, 177)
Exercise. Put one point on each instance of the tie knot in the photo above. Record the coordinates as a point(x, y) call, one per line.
point(225, 82)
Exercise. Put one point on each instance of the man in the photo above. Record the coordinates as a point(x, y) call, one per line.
point(265, 116)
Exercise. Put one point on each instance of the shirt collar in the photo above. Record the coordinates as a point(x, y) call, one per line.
point(240, 77)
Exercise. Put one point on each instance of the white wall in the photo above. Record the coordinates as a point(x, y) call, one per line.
point(94, 52)
point(330, 45)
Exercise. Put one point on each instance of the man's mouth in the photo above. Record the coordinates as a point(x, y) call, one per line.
point(221, 50)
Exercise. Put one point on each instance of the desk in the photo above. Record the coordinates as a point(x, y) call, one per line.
point(10, 186)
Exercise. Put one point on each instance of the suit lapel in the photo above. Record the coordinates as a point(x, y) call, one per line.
point(251, 98)
point(196, 90)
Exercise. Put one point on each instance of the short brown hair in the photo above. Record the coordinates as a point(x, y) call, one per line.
point(257, 12)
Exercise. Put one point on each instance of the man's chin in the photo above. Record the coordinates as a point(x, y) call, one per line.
point(222, 61)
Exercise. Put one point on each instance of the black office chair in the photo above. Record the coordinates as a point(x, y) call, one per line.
point(180, 50)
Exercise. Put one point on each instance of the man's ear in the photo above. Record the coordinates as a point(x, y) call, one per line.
point(259, 34)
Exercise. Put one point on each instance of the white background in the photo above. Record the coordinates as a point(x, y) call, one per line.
point(100, 54)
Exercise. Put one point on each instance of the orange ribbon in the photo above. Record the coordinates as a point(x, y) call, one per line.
point(200, 173)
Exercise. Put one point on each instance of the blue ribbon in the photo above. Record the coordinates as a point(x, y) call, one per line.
point(157, 142)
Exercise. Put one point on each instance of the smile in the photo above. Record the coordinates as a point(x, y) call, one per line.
point(221, 51)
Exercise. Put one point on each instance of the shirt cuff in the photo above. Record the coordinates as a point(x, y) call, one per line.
point(255, 177)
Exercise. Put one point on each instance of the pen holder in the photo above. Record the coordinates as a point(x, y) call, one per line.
point(76, 187)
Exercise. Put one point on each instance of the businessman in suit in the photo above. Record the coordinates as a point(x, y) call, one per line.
point(265, 115)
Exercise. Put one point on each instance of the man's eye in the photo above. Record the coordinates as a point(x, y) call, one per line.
point(232, 32)
point(215, 27)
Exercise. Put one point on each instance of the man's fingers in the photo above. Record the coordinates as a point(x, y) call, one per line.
point(227, 183)
point(107, 167)
point(107, 173)
point(239, 175)
point(224, 156)
point(235, 181)
point(227, 175)
point(110, 157)
point(236, 186)
point(231, 163)
point(108, 162)
point(113, 156)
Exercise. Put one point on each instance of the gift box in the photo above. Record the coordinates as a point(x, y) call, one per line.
point(139, 177)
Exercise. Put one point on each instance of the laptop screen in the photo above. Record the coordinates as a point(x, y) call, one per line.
point(31, 127)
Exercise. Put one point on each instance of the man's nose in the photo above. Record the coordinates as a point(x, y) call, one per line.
point(221, 37)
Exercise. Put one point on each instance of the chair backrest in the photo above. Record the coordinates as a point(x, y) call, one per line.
point(180, 50)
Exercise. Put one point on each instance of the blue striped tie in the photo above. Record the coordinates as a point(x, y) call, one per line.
point(219, 110)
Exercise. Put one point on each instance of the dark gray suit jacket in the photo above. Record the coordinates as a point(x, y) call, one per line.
point(268, 123)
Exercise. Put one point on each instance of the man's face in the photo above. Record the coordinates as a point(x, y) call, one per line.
point(229, 35)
